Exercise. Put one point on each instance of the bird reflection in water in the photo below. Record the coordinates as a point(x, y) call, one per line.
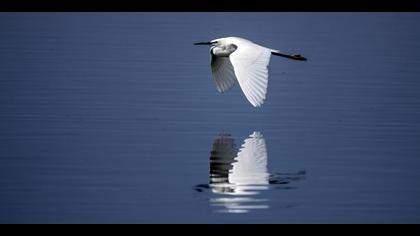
point(239, 176)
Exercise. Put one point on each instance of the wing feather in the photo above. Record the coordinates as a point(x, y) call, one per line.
point(250, 63)
point(223, 73)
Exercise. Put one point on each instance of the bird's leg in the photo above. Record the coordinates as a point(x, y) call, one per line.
point(293, 56)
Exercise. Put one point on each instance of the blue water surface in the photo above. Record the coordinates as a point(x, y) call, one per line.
point(114, 118)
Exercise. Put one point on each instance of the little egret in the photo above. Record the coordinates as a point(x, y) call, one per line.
point(235, 58)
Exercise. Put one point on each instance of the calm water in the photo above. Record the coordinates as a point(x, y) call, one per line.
point(114, 118)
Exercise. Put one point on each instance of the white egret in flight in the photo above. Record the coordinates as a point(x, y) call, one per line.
point(235, 58)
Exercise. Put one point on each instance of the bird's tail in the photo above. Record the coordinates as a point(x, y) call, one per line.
point(293, 56)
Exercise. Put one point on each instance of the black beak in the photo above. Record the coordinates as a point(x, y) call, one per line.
point(203, 43)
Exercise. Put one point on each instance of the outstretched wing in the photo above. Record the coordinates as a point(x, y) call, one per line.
point(223, 73)
point(250, 63)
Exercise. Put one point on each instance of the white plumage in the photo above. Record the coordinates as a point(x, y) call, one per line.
point(235, 58)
